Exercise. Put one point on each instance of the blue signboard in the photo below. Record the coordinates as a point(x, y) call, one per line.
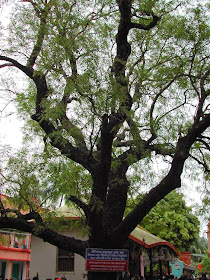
point(177, 268)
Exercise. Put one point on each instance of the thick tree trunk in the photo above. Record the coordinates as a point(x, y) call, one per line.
point(102, 275)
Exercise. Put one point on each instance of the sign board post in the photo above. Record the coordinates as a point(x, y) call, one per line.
point(107, 260)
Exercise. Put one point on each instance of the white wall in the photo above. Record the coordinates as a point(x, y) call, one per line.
point(44, 261)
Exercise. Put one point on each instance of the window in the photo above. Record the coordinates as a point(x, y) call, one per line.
point(65, 260)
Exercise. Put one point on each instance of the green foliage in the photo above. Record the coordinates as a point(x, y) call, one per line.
point(81, 34)
point(171, 220)
point(45, 179)
point(205, 264)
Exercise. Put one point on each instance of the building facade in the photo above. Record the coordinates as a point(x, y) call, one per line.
point(49, 262)
point(14, 254)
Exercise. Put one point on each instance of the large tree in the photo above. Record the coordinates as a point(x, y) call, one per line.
point(112, 85)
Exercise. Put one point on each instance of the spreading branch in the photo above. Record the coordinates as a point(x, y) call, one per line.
point(48, 235)
point(13, 62)
point(171, 181)
point(152, 24)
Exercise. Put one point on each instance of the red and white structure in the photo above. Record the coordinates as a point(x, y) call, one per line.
point(14, 254)
point(14, 251)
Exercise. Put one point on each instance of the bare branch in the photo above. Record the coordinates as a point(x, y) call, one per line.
point(24, 69)
point(153, 23)
point(152, 129)
point(173, 109)
point(203, 78)
point(202, 96)
point(6, 64)
point(204, 137)
point(205, 143)
point(203, 163)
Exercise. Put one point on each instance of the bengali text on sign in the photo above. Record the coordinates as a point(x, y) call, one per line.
point(107, 260)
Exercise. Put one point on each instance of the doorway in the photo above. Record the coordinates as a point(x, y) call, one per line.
point(15, 270)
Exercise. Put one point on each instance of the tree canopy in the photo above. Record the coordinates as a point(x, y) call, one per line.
point(171, 220)
point(112, 85)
